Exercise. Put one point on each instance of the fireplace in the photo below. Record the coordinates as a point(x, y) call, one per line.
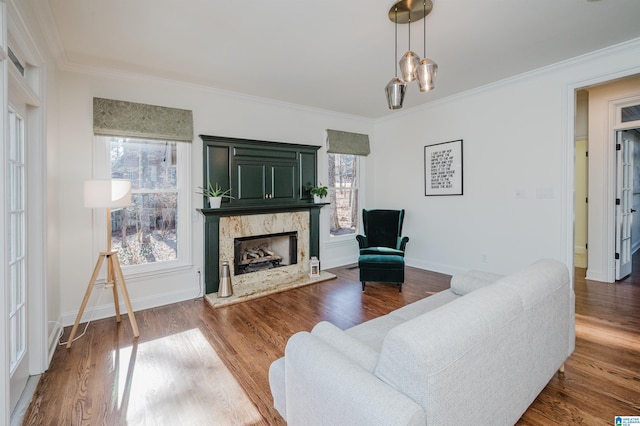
point(259, 252)
point(224, 226)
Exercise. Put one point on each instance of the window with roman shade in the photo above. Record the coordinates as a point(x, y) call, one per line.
point(344, 150)
point(149, 145)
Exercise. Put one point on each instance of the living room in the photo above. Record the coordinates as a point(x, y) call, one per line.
point(518, 135)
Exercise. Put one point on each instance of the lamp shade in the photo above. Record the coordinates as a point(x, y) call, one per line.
point(427, 71)
point(408, 66)
point(395, 91)
point(111, 193)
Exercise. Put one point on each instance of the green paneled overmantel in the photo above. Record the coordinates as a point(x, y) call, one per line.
point(212, 232)
point(259, 172)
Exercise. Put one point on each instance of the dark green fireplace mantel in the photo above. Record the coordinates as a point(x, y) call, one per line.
point(212, 232)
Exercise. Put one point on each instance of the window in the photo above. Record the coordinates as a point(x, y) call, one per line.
point(152, 233)
point(343, 194)
point(16, 241)
point(630, 113)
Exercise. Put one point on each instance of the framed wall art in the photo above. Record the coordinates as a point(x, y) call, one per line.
point(443, 168)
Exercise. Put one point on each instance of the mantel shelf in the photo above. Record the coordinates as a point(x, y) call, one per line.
point(260, 209)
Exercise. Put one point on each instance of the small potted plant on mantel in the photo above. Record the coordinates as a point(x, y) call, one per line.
point(215, 194)
point(319, 192)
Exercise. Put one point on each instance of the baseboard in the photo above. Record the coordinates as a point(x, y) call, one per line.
point(106, 308)
point(337, 262)
point(54, 339)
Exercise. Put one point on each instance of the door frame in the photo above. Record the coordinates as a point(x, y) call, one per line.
point(568, 153)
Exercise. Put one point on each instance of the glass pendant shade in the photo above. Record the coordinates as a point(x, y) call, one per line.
point(409, 65)
point(395, 91)
point(426, 74)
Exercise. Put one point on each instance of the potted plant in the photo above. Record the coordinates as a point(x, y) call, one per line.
point(215, 194)
point(319, 192)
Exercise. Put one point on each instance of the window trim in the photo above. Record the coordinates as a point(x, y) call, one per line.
point(184, 226)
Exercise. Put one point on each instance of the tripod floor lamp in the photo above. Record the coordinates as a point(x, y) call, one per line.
point(108, 194)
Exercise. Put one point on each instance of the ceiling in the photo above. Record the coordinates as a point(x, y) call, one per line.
point(335, 55)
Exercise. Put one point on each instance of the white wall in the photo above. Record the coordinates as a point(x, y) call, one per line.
point(518, 138)
point(215, 113)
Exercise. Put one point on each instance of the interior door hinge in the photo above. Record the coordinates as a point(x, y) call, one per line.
point(617, 201)
point(617, 256)
point(618, 147)
point(586, 246)
point(586, 200)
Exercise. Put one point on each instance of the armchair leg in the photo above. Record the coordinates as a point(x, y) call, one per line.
point(363, 284)
point(399, 287)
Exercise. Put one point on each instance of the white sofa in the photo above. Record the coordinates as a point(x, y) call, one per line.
point(477, 353)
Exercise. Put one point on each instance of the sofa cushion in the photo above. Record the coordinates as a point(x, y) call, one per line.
point(351, 347)
point(467, 282)
point(372, 332)
point(381, 251)
point(427, 304)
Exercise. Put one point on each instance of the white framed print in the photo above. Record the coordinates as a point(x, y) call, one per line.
point(443, 168)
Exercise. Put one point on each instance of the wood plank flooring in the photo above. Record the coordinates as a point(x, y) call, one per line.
point(194, 365)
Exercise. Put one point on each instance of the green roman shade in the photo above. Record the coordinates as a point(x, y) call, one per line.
point(130, 119)
point(339, 142)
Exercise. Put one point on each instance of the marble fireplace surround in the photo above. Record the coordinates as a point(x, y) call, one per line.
point(261, 283)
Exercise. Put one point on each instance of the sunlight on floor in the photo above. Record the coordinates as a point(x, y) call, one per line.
point(161, 382)
point(593, 330)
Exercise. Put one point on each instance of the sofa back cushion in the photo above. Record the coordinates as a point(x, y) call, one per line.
point(467, 282)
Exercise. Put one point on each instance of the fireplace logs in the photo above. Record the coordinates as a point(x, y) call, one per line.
point(259, 252)
point(257, 255)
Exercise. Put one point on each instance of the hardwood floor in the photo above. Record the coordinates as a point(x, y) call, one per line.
point(194, 365)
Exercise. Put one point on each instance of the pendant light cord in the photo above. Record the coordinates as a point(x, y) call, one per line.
point(424, 29)
point(409, 32)
point(395, 58)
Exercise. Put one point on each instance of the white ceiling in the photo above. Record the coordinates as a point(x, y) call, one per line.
point(333, 54)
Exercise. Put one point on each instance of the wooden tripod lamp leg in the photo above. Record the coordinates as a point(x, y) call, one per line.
point(92, 282)
point(119, 278)
point(111, 280)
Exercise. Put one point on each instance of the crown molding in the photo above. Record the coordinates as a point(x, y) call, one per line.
point(596, 54)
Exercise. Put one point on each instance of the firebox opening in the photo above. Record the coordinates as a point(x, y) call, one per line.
point(260, 252)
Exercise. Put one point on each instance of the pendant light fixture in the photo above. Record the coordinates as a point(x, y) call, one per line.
point(411, 67)
point(396, 88)
point(427, 69)
point(409, 61)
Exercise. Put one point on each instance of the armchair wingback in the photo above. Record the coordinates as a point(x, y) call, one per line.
point(382, 232)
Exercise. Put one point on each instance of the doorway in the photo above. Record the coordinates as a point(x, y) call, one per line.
point(610, 221)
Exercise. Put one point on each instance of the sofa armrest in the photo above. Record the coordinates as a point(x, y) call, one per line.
point(352, 348)
point(325, 387)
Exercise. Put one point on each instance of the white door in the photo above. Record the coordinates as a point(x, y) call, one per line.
point(624, 203)
point(16, 259)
